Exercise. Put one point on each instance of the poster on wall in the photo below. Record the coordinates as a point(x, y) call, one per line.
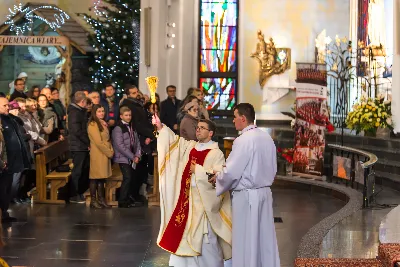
point(311, 118)
point(359, 173)
point(341, 167)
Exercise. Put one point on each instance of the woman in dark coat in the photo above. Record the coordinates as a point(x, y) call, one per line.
point(189, 123)
point(48, 119)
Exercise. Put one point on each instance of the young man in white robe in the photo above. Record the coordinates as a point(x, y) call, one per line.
point(196, 225)
point(249, 172)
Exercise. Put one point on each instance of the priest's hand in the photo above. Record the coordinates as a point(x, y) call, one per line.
point(212, 179)
point(155, 120)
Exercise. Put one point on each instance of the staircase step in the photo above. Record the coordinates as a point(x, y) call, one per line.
point(388, 179)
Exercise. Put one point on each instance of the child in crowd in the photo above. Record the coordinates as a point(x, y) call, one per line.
point(127, 154)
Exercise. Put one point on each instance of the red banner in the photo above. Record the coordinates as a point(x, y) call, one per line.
point(311, 119)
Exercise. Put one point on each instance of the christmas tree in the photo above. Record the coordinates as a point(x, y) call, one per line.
point(116, 43)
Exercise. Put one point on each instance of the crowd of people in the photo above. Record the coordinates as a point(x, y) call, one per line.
point(311, 75)
point(310, 110)
point(309, 137)
point(102, 129)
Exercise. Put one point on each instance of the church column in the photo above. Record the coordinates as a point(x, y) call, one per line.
point(396, 66)
point(171, 65)
point(156, 48)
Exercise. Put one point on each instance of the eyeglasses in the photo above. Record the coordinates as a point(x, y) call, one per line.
point(202, 128)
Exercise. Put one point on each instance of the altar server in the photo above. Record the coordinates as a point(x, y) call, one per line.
point(249, 172)
point(196, 226)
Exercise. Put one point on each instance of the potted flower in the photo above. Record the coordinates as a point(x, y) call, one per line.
point(286, 154)
point(371, 115)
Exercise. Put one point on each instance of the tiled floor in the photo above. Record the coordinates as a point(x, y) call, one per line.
point(76, 236)
point(358, 235)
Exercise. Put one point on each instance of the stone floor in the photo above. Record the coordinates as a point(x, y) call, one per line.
point(357, 236)
point(75, 236)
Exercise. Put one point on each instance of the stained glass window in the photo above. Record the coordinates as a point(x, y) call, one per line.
point(218, 68)
point(220, 92)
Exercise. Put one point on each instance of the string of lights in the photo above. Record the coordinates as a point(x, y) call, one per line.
point(115, 43)
point(30, 15)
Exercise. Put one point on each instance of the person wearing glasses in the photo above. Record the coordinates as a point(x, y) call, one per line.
point(19, 86)
point(196, 225)
point(188, 125)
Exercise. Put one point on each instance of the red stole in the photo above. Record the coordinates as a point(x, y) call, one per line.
point(176, 226)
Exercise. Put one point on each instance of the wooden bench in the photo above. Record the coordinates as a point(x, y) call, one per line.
point(112, 184)
point(154, 197)
point(47, 158)
point(115, 181)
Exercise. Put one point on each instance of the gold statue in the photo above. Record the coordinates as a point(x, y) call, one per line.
point(272, 60)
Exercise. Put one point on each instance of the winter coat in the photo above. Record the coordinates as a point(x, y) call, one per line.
point(188, 127)
point(139, 119)
point(26, 137)
point(32, 127)
point(77, 128)
point(59, 109)
point(104, 103)
point(48, 117)
point(101, 152)
point(18, 157)
point(122, 144)
point(17, 94)
point(169, 111)
point(3, 153)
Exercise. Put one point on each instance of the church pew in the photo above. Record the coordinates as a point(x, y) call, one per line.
point(112, 184)
point(154, 197)
point(47, 159)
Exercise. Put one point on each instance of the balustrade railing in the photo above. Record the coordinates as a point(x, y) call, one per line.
point(362, 163)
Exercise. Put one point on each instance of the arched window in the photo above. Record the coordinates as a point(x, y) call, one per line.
point(218, 64)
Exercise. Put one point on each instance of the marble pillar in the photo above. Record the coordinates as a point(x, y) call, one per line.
point(396, 67)
point(177, 65)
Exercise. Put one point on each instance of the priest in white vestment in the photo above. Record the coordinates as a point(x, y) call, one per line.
point(196, 225)
point(249, 172)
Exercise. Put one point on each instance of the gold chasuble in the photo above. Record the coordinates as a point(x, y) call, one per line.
point(188, 201)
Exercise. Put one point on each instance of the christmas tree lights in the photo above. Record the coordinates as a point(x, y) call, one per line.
point(29, 15)
point(115, 42)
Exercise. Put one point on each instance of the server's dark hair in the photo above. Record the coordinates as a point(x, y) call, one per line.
point(247, 110)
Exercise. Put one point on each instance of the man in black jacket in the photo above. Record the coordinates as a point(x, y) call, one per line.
point(19, 86)
point(144, 129)
point(17, 157)
point(169, 109)
point(79, 145)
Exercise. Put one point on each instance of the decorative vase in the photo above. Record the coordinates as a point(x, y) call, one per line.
point(370, 133)
point(383, 133)
point(281, 167)
point(289, 169)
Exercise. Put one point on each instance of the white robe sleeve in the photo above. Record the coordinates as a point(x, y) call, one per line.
point(207, 191)
point(171, 149)
point(236, 163)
